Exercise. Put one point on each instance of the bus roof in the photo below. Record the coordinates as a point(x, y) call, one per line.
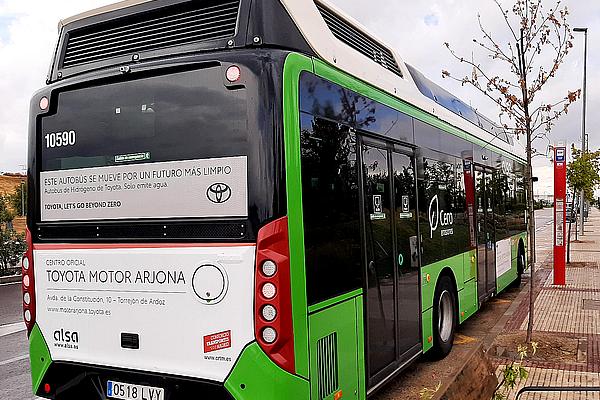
point(100, 10)
point(337, 37)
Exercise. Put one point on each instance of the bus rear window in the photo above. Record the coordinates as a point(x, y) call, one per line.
point(187, 115)
point(171, 146)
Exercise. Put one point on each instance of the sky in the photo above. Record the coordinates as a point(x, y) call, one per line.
point(416, 30)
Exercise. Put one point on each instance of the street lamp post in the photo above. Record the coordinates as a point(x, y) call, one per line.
point(583, 136)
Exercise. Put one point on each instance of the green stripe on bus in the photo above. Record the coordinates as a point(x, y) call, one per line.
point(294, 65)
point(39, 357)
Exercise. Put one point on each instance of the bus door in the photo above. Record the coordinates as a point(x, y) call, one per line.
point(486, 249)
point(390, 223)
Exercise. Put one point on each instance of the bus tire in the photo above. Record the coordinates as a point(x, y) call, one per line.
point(444, 317)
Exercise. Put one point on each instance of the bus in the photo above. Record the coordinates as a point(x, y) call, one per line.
point(235, 199)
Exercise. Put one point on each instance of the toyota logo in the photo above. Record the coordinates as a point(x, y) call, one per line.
point(218, 193)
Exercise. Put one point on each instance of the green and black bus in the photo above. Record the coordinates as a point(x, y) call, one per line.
point(236, 199)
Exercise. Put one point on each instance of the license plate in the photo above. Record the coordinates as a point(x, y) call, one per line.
point(127, 391)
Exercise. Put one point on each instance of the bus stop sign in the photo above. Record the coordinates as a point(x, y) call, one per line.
point(560, 193)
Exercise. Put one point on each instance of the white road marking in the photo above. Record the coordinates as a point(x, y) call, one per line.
point(9, 329)
point(14, 359)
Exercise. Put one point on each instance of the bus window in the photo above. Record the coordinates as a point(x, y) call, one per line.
point(331, 210)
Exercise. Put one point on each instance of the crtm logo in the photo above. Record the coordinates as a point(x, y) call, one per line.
point(439, 217)
point(218, 193)
point(66, 339)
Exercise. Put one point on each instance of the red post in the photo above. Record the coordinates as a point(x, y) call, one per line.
point(560, 197)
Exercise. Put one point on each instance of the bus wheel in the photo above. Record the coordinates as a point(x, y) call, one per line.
point(444, 318)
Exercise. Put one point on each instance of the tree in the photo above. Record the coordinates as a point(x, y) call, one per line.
point(539, 41)
point(18, 199)
point(583, 174)
point(12, 247)
point(6, 214)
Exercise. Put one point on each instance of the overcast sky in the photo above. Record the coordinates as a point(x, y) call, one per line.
point(417, 30)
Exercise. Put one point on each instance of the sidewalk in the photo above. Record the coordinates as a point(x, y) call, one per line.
point(566, 321)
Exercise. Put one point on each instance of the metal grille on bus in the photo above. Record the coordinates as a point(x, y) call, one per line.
point(166, 27)
point(327, 365)
point(360, 42)
point(148, 231)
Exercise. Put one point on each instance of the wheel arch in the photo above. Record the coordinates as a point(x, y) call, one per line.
point(447, 271)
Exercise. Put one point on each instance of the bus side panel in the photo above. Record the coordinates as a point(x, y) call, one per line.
point(294, 65)
point(427, 330)
point(39, 357)
point(334, 350)
point(469, 265)
point(467, 300)
point(360, 340)
point(255, 376)
point(509, 276)
point(431, 273)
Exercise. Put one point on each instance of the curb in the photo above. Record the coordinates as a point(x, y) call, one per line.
point(473, 381)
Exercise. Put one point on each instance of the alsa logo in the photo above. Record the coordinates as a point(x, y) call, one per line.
point(439, 217)
point(66, 339)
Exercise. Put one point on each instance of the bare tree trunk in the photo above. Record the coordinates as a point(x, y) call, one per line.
point(528, 182)
point(531, 235)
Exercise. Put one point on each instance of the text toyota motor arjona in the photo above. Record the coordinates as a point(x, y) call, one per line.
point(253, 199)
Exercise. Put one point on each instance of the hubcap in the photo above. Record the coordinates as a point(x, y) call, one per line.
point(445, 316)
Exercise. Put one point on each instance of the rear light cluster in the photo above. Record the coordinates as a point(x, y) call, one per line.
point(28, 285)
point(273, 306)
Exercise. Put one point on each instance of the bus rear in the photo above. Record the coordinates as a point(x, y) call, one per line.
point(158, 260)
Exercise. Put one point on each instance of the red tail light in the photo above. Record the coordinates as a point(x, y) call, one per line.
point(273, 304)
point(28, 284)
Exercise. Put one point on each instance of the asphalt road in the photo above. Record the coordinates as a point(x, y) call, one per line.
point(543, 218)
point(15, 381)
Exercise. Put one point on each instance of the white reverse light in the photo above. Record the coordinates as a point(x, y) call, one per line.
point(269, 335)
point(269, 268)
point(269, 313)
point(269, 290)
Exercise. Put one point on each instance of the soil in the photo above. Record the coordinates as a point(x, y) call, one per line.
point(550, 347)
point(9, 183)
point(582, 265)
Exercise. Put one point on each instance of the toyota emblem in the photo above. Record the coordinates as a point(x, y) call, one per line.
point(218, 193)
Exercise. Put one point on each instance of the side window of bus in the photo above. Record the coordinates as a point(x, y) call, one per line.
point(515, 201)
point(331, 210)
point(500, 186)
point(375, 117)
point(460, 211)
point(520, 204)
point(322, 98)
point(438, 205)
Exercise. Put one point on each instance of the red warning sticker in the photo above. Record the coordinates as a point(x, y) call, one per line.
point(217, 341)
